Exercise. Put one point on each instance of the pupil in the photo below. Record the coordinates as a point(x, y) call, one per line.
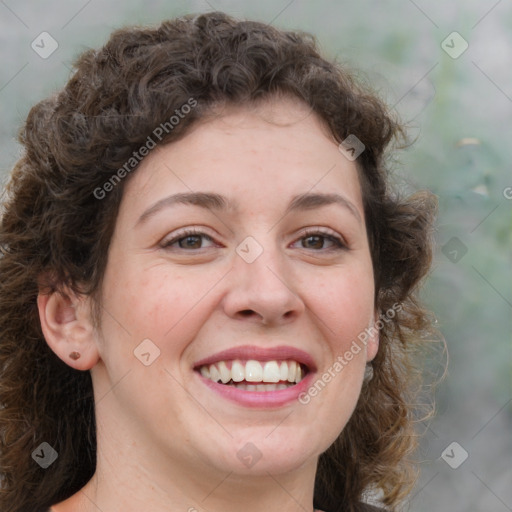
point(316, 238)
point(192, 241)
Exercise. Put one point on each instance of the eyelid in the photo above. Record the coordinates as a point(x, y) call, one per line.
point(176, 236)
point(314, 230)
point(328, 233)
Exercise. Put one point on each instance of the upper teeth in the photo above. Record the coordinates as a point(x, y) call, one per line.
point(253, 371)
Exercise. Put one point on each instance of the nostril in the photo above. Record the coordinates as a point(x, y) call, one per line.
point(247, 312)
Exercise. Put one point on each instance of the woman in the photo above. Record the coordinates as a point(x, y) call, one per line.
point(208, 295)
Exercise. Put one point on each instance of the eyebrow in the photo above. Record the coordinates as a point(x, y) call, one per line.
point(213, 201)
point(311, 201)
point(206, 200)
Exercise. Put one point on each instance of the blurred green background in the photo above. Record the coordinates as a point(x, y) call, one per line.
point(458, 104)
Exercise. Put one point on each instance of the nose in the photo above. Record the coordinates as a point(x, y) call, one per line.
point(262, 291)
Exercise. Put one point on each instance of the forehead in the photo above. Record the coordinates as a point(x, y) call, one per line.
point(264, 152)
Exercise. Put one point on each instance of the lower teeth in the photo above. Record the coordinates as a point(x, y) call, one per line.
point(260, 387)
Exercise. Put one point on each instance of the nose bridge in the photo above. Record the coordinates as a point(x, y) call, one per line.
point(260, 281)
point(261, 262)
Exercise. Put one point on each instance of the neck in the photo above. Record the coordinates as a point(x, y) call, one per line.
point(132, 477)
point(136, 488)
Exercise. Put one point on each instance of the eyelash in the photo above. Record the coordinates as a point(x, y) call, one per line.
point(307, 233)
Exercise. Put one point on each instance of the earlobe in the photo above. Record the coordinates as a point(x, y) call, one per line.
point(372, 345)
point(67, 328)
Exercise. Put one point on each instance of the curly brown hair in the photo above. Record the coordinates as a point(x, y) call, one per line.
point(55, 233)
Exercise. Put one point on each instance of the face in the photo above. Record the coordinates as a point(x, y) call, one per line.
point(239, 262)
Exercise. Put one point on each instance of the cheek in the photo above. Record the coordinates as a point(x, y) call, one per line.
point(343, 303)
point(166, 307)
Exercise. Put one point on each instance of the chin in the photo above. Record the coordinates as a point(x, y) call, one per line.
point(261, 451)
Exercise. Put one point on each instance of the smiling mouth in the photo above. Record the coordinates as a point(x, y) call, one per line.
point(254, 375)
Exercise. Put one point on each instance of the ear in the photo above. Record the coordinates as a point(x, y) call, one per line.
point(67, 327)
point(372, 344)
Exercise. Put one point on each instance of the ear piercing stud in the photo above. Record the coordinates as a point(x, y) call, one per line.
point(74, 355)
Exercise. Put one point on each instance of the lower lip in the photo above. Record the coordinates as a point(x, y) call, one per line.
point(261, 399)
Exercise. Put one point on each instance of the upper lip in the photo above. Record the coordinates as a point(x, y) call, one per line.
point(246, 352)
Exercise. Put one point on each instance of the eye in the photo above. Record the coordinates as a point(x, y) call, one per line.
point(316, 239)
point(188, 239)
